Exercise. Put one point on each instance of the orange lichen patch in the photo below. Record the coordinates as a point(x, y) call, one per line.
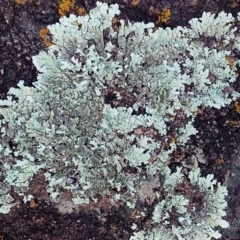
point(44, 34)
point(81, 11)
point(33, 204)
point(65, 6)
point(20, 2)
point(230, 61)
point(135, 2)
point(220, 161)
point(163, 16)
point(233, 123)
point(69, 6)
point(176, 153)
point(237, 106)
point(135, 214)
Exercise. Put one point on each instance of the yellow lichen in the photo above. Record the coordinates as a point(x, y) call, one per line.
point(33, 204)
point(233, 123)
point(65, 6)
point(135, 2)
point(163, 16)
point(69, 6)
point(230, 61)
point(237, 106)
point(176, 153)
point(81, 11)
point(20, 2)
point(135, 214)
point(44, 35)
point(220, 161)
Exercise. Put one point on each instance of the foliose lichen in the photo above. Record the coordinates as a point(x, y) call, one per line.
point(66, 126)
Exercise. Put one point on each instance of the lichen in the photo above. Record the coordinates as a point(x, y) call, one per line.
point(77, 124)
point(20, 2)
point(163, 16)
point(44, 34)
point(135, 2)
point(81, 11)
point(69, 6)
point(230, 61)
point(65, 7)
point(237, 106)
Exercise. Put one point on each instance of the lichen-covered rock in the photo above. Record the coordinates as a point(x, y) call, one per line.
point(65, 126)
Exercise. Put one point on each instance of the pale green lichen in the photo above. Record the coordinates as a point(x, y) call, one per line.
point(64, 125)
